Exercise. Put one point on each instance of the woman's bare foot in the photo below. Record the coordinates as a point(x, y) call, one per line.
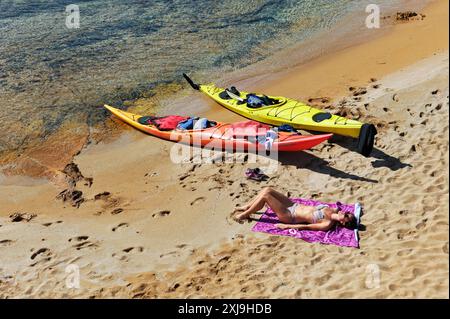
point(236, 210)
point(240, 217)
point(232, 215)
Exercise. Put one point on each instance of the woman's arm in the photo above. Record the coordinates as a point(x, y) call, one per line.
point(324, 226)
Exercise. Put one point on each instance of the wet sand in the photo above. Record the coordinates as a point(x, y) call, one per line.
point(161, 230)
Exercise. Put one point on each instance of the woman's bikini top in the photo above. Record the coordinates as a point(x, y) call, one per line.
point(318, 214)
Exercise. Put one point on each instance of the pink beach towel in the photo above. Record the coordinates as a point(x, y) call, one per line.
point(339, 236)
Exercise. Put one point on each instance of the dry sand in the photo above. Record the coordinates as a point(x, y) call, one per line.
point(163, 229)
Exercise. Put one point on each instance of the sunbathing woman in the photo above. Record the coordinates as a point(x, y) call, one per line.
point(293, 215)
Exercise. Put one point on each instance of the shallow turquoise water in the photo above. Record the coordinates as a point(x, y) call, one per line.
point(123, 50)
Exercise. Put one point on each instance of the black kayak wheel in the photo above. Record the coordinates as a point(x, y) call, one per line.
point(366, 139)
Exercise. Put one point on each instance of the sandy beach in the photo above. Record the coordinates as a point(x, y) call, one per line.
point(146, 227)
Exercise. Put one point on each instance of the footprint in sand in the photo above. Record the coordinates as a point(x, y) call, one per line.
point(404, 252)
point(161, 213)
point(151, 174)
point(411, 113)
point(82, 242)
point(125, 253)
point(395, 97)
point(78, 238)
point(109, 202)
point(403, 233)
point(422, 224)
point(322, 280)
point(438, 107)
point(103, 195)
point(117, 211)
point(433, 173)
point(51, 223)
point(6, 242)
point(139, 249)
point(435, 92)
point(41, 251)
point(85, 244)
point(120, 226)
point(197, 200)
point(403, 212)
point(319, 100)
point(359, 91)
point(171, 253)
point(183, 177)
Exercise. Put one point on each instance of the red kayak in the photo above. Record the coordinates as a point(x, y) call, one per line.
point(242, 136)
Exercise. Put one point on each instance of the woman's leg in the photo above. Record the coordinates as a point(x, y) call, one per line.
point(281, 197)
point(267, 196)
point(251, 202)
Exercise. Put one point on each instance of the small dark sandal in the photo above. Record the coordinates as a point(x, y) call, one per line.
point(256, 174)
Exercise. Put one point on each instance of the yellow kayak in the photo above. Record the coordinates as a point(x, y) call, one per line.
point(282, 110)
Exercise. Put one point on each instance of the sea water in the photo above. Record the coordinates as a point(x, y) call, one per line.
point(51, 74)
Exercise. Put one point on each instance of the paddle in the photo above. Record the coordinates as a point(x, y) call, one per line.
point(234, 96)
point(189, 80)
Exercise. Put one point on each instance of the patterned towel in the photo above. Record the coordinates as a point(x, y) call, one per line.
point(339, 236)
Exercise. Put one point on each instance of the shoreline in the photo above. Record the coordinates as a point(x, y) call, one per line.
point(162, 230)
point(393, 51)
point(36, 162)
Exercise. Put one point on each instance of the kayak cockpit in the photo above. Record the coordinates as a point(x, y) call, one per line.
point(177, 122)
point(250, 100)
